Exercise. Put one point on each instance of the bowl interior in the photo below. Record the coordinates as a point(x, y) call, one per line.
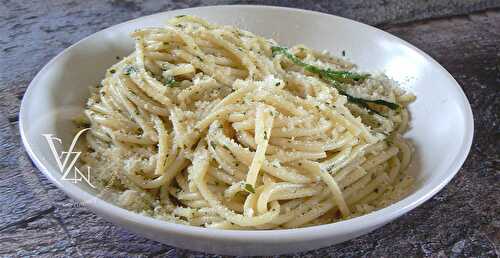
point(441, 124)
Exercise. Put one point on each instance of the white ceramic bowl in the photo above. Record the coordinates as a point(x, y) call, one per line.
point(442, 124)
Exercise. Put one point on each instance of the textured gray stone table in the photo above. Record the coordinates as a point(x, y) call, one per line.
point(37, 219)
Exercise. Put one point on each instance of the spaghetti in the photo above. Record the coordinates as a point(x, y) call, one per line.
point(214, 126)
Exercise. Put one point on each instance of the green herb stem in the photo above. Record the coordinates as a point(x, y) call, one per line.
point(336, 77)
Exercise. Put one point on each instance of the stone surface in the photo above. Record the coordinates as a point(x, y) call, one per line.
point(37, 219)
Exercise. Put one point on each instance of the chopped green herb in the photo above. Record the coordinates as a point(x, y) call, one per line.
point(278, 84)
point(112, 71)
point(199, 58)
point(129, 69)
point(343, 52)
point(249, 188)
point(180, 16)
point(170, 82)
point(265, 135)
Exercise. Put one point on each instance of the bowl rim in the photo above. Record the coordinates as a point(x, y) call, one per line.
point(367, 221)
